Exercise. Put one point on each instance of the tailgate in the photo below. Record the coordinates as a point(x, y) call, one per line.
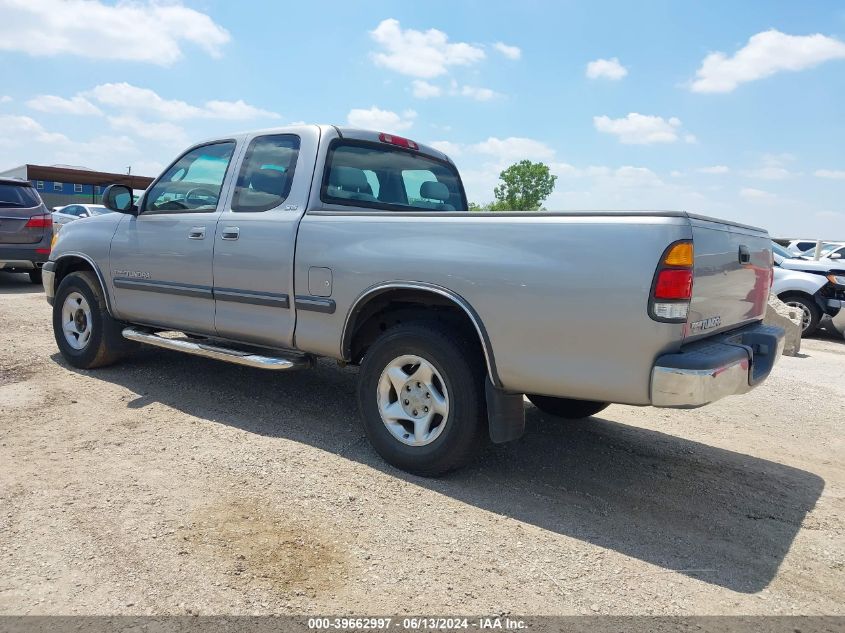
point(732, 276)
point(13, 228)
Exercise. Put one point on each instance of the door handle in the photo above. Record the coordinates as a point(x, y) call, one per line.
point(196, 233)
point(230, 233)
point(744, 254)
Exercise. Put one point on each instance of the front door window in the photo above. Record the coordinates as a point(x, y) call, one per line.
point(193, 183)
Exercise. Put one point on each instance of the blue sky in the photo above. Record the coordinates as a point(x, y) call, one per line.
point(733, 109)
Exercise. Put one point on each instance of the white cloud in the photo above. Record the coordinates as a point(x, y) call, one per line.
point(749, 193)
point(162, 132)
point(642, 129)
point(126, 97)
point(143, 31)
point(769, 173)
point(19, 130)
point(829, 215)
point(424, 90)
point(235, 110)
point(606, 69)
point(511, 52)
point(5, 99)
point(479, 94)
point(74, 105)
point(713, 169)
point(447, 147)
point(381, 120)
point(423, 54)
point(513, 149)
point(765, 54)
point(834, 174)
point(777, 160)
point(629, 176)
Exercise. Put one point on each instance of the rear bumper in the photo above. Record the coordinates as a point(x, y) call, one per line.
point(722, 365)
point(23, 258)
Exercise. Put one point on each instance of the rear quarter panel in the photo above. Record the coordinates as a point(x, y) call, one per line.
point(563, 297)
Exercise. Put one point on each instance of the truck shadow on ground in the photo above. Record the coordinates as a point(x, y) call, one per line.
point(17, 284)
point(722, 517)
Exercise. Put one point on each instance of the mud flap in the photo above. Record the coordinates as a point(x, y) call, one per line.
point(505, 414)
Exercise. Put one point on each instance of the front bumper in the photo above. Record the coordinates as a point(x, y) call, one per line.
point(48, 276)
point(723, 365)
point(839, 319)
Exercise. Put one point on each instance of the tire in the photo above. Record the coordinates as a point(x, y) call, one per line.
point(35, 276)
point(566, 407)
point(811, 313)
point(104, 343)
point(457, 378)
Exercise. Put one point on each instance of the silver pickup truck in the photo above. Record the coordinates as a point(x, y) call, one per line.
point(272, 248)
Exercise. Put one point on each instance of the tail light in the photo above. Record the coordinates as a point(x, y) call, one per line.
point(398, 141)
point(671, 289)
point(44, 221)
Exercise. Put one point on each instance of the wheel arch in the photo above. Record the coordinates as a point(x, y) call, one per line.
point(369, 302)
point(73, 262)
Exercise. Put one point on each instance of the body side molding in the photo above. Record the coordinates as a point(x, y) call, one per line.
point(315, 304)
point(164, 287)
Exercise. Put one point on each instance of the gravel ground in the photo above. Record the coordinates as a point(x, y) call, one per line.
point(171, 484)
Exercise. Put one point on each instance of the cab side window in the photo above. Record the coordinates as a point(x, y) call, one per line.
point(193, 183)
point(267, 173)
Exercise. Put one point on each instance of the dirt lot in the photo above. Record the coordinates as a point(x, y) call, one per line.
point(171, 484)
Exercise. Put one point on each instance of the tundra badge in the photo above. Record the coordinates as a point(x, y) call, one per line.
point(705, 324)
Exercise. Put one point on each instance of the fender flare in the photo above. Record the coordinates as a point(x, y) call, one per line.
point(95, 268)
point(458, 300)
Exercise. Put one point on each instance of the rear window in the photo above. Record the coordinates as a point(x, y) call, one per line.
point(379, 176)
point(18, 196)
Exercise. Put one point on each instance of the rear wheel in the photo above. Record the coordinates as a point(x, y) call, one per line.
point(421, 398)
point(35, 276)
point(86, 334)
point(567, 407)
point(810, 313)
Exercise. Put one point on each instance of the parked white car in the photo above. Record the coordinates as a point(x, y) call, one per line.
point(829, 250)
point(817, 288)
point(71, 212)
point(796, 247)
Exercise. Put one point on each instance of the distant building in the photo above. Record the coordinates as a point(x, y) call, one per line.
point(59, 185)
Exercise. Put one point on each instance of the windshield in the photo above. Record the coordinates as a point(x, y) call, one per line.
point(826, 248)
point(777, 249)
point(381, 176)
point(98, 210)
point(18, 196)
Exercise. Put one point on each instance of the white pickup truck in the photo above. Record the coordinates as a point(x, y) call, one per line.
point(271, 248)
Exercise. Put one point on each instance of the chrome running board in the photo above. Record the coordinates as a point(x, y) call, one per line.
point(229, 355)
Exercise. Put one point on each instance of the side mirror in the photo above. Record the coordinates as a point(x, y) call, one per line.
point(836, 256)
point(83, 215)
point(119, 198)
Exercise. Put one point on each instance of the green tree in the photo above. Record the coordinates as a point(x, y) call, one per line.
point(524, 187)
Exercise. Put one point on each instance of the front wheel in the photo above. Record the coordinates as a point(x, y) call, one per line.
point(811, 315)
point(421, 398)
point(86, 334)
point(567, 407)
